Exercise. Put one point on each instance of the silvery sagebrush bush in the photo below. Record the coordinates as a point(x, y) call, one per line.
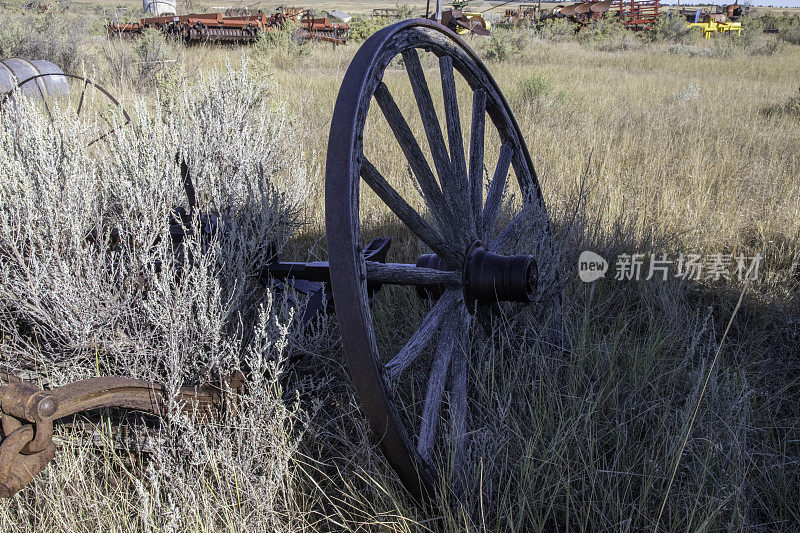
point(72, 307)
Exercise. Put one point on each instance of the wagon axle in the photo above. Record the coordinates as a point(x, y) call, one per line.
point(485, 277)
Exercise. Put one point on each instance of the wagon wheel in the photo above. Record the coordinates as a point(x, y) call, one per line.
point(74, 95)
point(455, 221)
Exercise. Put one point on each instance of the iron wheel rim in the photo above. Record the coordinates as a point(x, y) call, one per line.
point(347, 266)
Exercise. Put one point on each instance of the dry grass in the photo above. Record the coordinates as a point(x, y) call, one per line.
point(645, 149)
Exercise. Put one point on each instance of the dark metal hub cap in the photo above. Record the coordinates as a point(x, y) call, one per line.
point(490, 277)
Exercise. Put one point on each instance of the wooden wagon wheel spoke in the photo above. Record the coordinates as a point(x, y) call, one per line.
point(427, 112)
point(424, 351)
point(452, 338)
point(422, 336)
point(406, 213)
point(512, 230)
point(476, 151)
point(456, 183)
point(416, 159)
point(494, 197)
point(458, 411)
point(453, 122)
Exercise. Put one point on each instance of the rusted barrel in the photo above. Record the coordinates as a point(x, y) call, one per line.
point(16, 70)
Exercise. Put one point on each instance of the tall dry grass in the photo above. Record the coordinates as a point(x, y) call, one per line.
point(645, 148)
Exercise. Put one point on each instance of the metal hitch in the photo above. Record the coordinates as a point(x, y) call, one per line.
point(28, 412)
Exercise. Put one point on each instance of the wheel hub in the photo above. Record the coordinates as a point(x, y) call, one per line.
point(489, 277)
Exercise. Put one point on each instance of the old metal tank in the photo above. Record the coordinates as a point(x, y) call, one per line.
point(159, 7)
point(16, 70)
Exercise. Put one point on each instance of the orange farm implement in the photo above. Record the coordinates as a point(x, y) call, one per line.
point(641, 14)
point(214, 27)
point(633, 14)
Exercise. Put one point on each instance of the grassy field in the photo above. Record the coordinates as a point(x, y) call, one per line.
point(642, 145)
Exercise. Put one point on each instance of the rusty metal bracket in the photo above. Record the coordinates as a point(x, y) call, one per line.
point(27, 413)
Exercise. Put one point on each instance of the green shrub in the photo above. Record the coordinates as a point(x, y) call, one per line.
point(725, 46)
point(752, 25)
point(283, 41)
point(753, 39)
point(279, 48)
point(670, 28)
point(362, 27)
point(537, 90)
point(503, 44)
point(533, 87)
point(779, 23)
point(149, 61)
point(769, 22)
point(557, 30)
point(50, 36)
point(9, 37)
point(154, 53)
point(791, 34)
point(766, 46)
point(607, 34)
point(794, 104)
point(404, 11)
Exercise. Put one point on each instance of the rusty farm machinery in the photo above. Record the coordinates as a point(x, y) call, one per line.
point(245, 28)
point(633, 14)
point(523, 14)
point(481, 252)
point(717, 20)
point(457, 17)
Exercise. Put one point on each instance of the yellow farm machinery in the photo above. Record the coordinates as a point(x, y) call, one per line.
point(711, 26)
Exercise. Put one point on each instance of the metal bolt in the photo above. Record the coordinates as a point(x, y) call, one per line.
point(47, 406)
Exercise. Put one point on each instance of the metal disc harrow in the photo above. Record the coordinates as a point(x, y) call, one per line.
point(473, 263)
point(72, 94)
